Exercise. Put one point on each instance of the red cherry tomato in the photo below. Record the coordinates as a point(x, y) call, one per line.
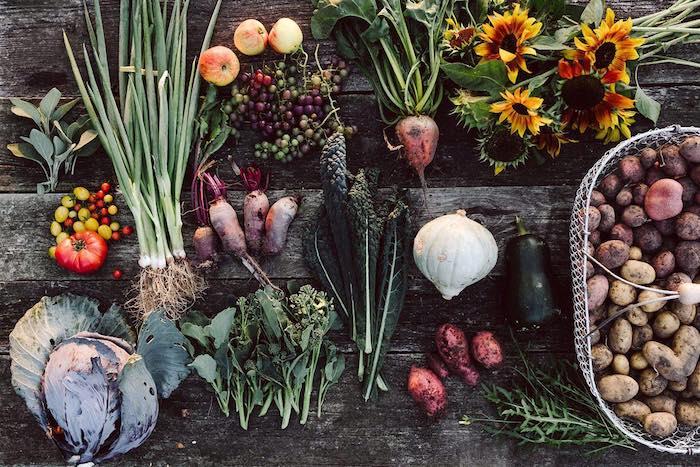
point(100, 194)
point(127, 230)
point(77, 207)
point(105, 187)
point(68, 222)
point(82, 253)
point(95, 215)
point(117, 274)
point(116, 236)
point(105, 221)
point(92, 207)
point(104, 212)
point(92, 198)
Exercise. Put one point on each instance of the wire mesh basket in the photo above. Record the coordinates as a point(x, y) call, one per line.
point(685, 440)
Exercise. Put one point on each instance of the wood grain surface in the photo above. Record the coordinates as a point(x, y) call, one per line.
point(190, 429)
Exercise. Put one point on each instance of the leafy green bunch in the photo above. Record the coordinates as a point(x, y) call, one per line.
point(268, 349)
point(54, 143)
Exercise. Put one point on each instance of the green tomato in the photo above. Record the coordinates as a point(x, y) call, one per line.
point(61, 214)
point(81, 193)
point(56, 228)
point(62, 236)
point(68, 201)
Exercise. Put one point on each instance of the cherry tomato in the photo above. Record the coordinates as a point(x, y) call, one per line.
point(105, 221)
point(92, 198)
point(104, 212)
point(113, 209)
point(68, 222)
point(108, 198)
point(82, 253)
point(92, 207)
point(78, 206)
point(117, 274)
point(100, 194)
point(100, 204)
point(105, 187)
point(116, 236)
point(127, 230)
point(95, 216)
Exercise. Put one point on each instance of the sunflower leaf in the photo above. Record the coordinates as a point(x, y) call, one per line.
point(593, 13)
point(646, 105)
point(488, 76)
point(548, 43)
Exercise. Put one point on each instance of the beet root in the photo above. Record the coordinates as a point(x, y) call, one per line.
point(418, 136)
point(437, 365)
point(255, 209)
point(487, 350)
point(277, 223)
point(427, 390)
point(206, 244)
point(453, 347)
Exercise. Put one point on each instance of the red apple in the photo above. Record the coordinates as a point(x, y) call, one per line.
point(285, 36)
point(250, 37)
point(219, 65)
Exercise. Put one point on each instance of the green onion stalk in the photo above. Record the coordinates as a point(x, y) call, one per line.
point(147, 132)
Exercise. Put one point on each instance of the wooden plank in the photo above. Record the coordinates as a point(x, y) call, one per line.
point(455, 164)
point(351, 432)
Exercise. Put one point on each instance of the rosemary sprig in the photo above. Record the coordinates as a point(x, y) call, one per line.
point(551, 406)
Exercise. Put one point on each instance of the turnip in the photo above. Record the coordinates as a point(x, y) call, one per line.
point(255, 208)
point(277, 223)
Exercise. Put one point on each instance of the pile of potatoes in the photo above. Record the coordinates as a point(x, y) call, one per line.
point(644, 225)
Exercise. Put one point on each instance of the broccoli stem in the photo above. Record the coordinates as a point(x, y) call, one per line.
point(309, 383)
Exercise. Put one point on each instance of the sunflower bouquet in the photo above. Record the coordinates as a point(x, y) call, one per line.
point(538, 74)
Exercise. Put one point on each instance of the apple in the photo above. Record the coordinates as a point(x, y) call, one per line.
point(250, 37)
point(285, 36)
point(219, 65)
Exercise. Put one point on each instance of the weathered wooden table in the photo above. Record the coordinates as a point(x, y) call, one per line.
point(191, 430)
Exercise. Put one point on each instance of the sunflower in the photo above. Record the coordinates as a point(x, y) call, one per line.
point(501, 149)
point(590, 99)
point(615, 133)
point(609, 46)
point(550, 141)
point(505, 37)
point(521, 111)
point(456, 37)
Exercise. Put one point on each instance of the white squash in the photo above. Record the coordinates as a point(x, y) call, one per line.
point(454, 252)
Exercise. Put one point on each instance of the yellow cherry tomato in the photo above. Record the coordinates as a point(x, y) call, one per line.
point(52, 252)
point(78, 226)
point(92, 224)
point(84, 214)
point(108, 198)
point(61, 214)
point(62, 236)
point(112, 210)
point(81, 193)
point(56, 228)
point(72, 214)
point(114, 226)
point(105, 232)
point(68, 201)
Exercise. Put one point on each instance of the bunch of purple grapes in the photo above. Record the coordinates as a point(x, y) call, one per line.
point(290, 106)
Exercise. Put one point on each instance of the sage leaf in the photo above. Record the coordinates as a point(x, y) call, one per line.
point(25, 109)
point(41, 143)
point(49, 102)
point(63, 110)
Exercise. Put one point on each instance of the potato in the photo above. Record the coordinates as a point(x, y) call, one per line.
point(664, 199)
point(663, 264)
point(607, 217)
point(689, 189)
point(669, 244)
point(610, 186)
point(637, 317)
point(695, 174)
point(693, 208)
point(621, 293)
point(690, 149)
point(601, 357)
point(654, 175)
point(637, 361)
point(597, 198)
point(646, 295)
point(639, 191)
point(685, 313)
point(595, 336)
point(647, 238)
point(647, 157)
point(635, 251)
point(661, 403)
point(617, 388)
point(632, 410)
point(593, 216)
point(624, 197)
point(623, 233)
point(631, 169)
point(665, 324)
point(620, 336)
point(672, 163)
point(590, 249)
point(590, 269)
point(597, 291)
point(620, 365)
point(687, 255)
point(675, 280)
point(677, 386)
point(613, 253)
point(666, 226)
point(677, 362)
point(634, 216)
point(638, 272)
point(598, 314)
point(660, 424)
point(641, 335)
point(694, 381)
point(688, 413)
point(594, 237)
point(651, 383)
point(688, 226)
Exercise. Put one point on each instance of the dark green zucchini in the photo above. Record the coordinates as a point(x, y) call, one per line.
point(529, 297)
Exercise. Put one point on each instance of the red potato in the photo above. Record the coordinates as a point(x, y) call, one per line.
point(453, 347)
point(647, 157)
point(690, 149)
point(634, 215)
point(695, 174)
point(663, 263)
point(597, 198)
point(631, 169)
point(672, 163)
point(418, 136)
point(595, 238)
point(648, 238)
point(427, 390)
point(277, 223)
point(593, 215)
point(675, 280)
point(689, 189)
point(624, 197)
point(688, 226)
point(613, 253)
point(623, 233)
point(666, 227)
point(695, 209)
point(607, 217)
point(687, 255)
point(437, 365)
point(487, 350)
point(639, 191)
point(597, 287)
point(610, 186)
point(653, 175)
point(664, 199)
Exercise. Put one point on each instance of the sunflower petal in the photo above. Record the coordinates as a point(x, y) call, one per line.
point(506, 56)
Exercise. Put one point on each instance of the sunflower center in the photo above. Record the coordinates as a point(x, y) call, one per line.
point(510, 43)
point(583, 92)
point(504, 146)
point(605, 54)
point(520, 108)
